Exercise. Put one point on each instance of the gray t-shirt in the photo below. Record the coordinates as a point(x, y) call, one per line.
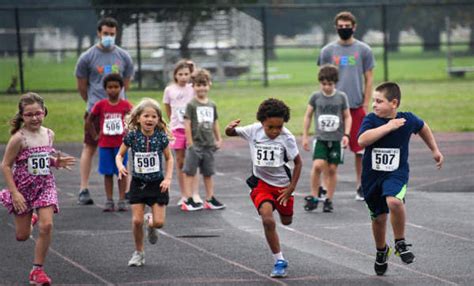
point(95, 63)
point(353, 61)
point(328, 115)
point(268, 155)
point(202, 116)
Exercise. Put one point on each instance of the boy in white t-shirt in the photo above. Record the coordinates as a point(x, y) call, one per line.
point(272, 184)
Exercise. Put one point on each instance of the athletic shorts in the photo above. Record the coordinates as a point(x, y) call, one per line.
point(107, 160)
point(202, 158)
point(329, 151)
point(375, 194)
point(268, 193)
point(88, 139)
point(149, 193)
point(357, 115)
point(179, 139)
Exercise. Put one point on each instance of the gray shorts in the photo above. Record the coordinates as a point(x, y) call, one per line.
point(199, 157)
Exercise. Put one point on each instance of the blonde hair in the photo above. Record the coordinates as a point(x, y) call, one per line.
point(25, 99)
point(132, 119)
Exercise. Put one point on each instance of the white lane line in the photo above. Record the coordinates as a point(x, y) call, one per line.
point(439, 232)
point(72, 262)
point(222, 258)
point(438, 181)
point(348, 249)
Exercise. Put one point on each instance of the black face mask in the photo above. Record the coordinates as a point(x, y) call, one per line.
point(345, 33)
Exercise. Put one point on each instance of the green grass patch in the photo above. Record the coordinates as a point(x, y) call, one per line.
point(446, 106)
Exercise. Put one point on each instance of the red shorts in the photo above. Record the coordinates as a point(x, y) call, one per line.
point(268, 193)
point(357, 115)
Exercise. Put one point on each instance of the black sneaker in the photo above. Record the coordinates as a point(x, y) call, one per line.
point(311, 203)
point(327, 206)
point(213, 204)
point(190, 205)
point(85, 198)
point(401, 249)
point(381, 260)
point(322, 192)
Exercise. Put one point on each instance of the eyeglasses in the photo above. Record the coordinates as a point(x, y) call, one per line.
point(36, 114)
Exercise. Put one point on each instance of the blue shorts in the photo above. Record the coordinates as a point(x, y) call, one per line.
point(386, 186)
point(107, 165)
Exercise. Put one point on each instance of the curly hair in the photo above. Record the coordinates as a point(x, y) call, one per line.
point(273, 107)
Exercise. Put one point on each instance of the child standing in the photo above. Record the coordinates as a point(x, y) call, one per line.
point(31, 184)
point(203, 139)
point(272, 184)
point(385, 134)
point(148, 139)
point(175, 99)
point(111, 113)
point(332, 121)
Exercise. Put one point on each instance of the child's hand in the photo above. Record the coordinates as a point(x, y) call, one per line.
point(122, 172)
point(165, 185)
point(439, 158)
point(18, 201)
point(218, 144)
point(233, 124)
point(396, 123)
point(345, 141)
point(305, 143)
point(285, 195)
point(65, 162)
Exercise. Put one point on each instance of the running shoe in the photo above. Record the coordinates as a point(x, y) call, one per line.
point(122, 206)
point(197, 198)
point(190, 205)
point(381, 260)
point(213, 204)
point(34, 220)
point(359, 194)
point(85, 198)
point(311, 203)
point(180, 201)
point(109, 206)
point(279, 269)
point(327, 206)
point(401, 249)
point(138, 259)
point(151, 232)
point(39, 277)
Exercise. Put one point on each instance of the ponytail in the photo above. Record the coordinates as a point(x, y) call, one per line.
point(16, 123)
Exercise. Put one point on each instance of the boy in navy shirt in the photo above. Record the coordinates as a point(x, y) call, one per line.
point(385, 135)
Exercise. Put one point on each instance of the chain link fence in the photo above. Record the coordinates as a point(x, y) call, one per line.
point(240, 44)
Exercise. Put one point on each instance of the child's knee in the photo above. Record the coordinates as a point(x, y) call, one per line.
point(137, 222)
point(158, 224)
point(45, 227)
point(394, 203)
point(22, 236)
point(286, 220)
point(268, 223)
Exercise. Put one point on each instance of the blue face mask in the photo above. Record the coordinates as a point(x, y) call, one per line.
point(108, 41)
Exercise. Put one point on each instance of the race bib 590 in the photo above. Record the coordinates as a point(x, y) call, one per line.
point(146, 162)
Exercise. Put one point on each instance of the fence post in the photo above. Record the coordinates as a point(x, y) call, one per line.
point(385, 42)
point(265, 46)
point(19, 49)
point(139, 50)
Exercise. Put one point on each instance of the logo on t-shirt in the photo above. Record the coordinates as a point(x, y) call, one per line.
point(107, 69)
point(345, 60)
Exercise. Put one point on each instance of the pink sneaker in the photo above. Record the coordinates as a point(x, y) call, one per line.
point(34, 220)
point(39, 277)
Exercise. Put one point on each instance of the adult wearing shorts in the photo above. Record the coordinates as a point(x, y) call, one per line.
point(92, 66)
point(356, 63)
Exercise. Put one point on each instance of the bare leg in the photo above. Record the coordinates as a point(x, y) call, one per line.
point(358, 168)
point(331, 180)
point(109, 187)
point(179, 155)
point(188, 186)
point(23, 226)
point(209, 185)
point(196, 195)
point(123, 185)
point(269, 227)
point(45, 216)
point(159, 216)
point(379, 229)
point(138, 210)
point(397, 216)
point(87, 154)
point(318, 167)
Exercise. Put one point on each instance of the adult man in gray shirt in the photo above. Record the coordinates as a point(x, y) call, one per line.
point(93, 65)
point(355, 62)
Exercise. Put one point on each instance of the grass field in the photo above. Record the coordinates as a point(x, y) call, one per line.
point(446, 104)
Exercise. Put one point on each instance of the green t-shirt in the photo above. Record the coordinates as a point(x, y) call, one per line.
point(202, 117)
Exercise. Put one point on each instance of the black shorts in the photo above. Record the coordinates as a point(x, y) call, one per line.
point(149, 193)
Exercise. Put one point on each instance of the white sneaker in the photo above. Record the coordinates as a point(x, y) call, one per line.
point(181, 201)
point(138, 259)
point(151, 232)
point(359, 194)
